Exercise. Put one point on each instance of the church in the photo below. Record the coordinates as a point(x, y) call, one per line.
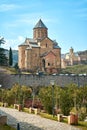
point(39, 53)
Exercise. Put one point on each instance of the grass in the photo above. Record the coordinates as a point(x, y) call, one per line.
point(26, 110)
point(0, 103)
point(48, 116)
point(9, 70)
point(6, 127)
point(76, 69)
point(82, 125)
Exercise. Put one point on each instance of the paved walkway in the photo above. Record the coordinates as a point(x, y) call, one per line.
point(31, 121)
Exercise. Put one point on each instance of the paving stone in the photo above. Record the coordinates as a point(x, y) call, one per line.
point(32, 122)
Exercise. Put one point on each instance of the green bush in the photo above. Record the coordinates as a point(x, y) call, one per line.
point(6, 127)
point(82, 116)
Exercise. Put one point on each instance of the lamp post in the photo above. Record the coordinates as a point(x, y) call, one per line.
point(18, 126)
point(52, 83)
point(2, 94)
point(33, 95)
point(1, 99)
point(1, 91)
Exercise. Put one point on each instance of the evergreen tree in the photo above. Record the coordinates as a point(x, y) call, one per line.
point(2, 41)
point(3, 58)
point(10, 57)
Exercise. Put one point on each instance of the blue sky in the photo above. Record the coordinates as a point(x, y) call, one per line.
point(66, 21)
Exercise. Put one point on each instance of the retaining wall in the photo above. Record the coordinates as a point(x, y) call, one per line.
point(44, 80)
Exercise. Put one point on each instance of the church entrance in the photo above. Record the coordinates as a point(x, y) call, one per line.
point(43, 65)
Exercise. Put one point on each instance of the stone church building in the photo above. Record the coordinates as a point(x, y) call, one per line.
point(40, 53)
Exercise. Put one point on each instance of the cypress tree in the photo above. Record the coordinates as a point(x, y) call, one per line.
point(10, 57)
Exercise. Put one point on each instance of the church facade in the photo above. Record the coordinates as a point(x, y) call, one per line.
point(40, 53)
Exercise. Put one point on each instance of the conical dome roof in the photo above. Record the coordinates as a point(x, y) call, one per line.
point(40, 24)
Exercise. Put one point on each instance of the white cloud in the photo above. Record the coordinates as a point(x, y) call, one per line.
point(13, 43)
point(8, 7)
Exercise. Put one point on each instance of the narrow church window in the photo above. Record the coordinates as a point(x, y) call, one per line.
point(48, 64)
point(46, 44)
point(39, 33)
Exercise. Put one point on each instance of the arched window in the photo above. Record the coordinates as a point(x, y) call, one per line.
point(43, 63)
point(48, 64)
point(46, 44)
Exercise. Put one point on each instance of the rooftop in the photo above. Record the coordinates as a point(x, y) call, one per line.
point(40, 24)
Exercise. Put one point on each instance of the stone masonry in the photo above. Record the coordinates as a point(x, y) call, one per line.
point(43, 80)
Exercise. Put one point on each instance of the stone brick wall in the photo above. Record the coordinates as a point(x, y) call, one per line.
point(3, 120)
point(46, 45)
point(44, 80)
point(35, 61)
point(21, 57)
point(40, 33)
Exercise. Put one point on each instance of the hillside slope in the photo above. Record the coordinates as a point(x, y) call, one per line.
point(76, 69)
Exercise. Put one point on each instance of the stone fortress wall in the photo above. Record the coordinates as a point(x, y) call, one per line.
point(44, 80)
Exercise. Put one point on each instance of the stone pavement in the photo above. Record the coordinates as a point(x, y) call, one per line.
point(32, 122)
